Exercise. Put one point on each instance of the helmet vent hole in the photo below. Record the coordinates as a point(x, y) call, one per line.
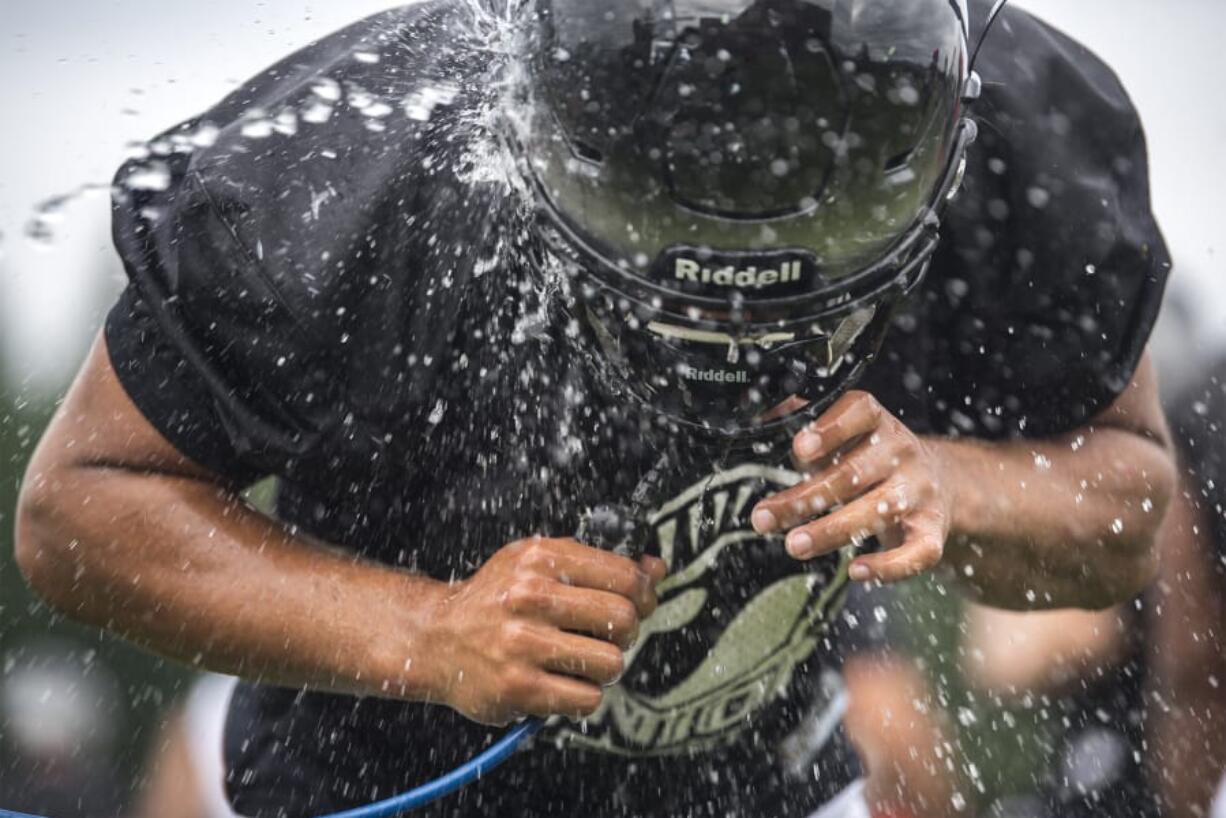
point(898, 162)
point(587, 152)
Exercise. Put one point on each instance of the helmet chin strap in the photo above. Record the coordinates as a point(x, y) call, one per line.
point(992, 17)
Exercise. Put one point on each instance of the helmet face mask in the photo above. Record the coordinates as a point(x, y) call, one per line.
point(743, 191)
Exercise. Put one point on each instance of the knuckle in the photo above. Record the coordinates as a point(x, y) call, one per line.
point(614, 666)
point(538, 556)
point(526, 595)
point(871, 405)
point(852, 470)
point(589, 701)
point(792, 503)
point(650, 603)
point(896, 492)
point(628, 582)
point(934, 551)
point(516, 635)
point(517, 683)
point(625, 616)
point(920, 490)
point(814, 498)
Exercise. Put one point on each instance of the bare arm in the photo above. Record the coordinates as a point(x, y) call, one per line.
point(1068, 522)
point(899, 729)
point(1063, 523)
point(172, 785)
point(118, 530)
point(1188, 655)
point(1006, 652)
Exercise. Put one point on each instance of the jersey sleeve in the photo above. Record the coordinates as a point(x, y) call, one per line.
point(1052, 270)
point(284, 257)
point(201, 340)
point(167, 391)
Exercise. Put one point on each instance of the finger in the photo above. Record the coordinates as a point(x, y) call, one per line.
point(548, 694)
point(576, 564)
point(655, 568)
point(868, 516)
point(854, 415)
point(601, 614)
point(922, 551)
point(861, 471)
point(578, 656)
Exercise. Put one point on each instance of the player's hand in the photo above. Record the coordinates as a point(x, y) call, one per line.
point(539, 630)
point(867, 475)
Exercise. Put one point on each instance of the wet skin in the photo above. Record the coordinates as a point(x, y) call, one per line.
point(119, 530)
point(1068, 521)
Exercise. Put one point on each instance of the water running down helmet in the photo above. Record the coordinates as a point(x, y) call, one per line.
point(742, 192)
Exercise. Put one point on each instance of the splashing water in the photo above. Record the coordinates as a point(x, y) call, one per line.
point(42, 228)
point(491, 26)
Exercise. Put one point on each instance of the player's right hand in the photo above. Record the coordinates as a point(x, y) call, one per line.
point(539, 630)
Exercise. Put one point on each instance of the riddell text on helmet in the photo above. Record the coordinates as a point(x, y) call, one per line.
point(750, 278)
point(691, 373)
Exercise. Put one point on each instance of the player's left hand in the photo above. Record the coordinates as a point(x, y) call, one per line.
point(866, 475)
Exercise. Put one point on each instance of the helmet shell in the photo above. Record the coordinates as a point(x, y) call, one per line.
point(742, 191)
point(817, 127)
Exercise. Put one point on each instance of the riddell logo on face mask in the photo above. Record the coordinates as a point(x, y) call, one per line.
point(750, 278)
point(714, 376)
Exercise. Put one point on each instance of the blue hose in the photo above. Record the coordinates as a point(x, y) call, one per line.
point(449, 783)
point(609, 527)
point(426, 793)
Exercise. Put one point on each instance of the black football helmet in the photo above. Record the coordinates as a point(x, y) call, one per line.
point(741, 192)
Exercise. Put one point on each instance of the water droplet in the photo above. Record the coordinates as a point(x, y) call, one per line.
point(436, 417)
point(1038, 197)
point(419, 105)
point(327, 89)
point(377, 110)
point(153, 175)
point(257, 128)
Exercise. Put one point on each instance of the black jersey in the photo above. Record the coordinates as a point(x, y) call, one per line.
point(326, 286)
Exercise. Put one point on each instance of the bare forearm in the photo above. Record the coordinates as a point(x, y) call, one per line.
point(1059, 523)
point(1188, 665)
point(187, 570)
